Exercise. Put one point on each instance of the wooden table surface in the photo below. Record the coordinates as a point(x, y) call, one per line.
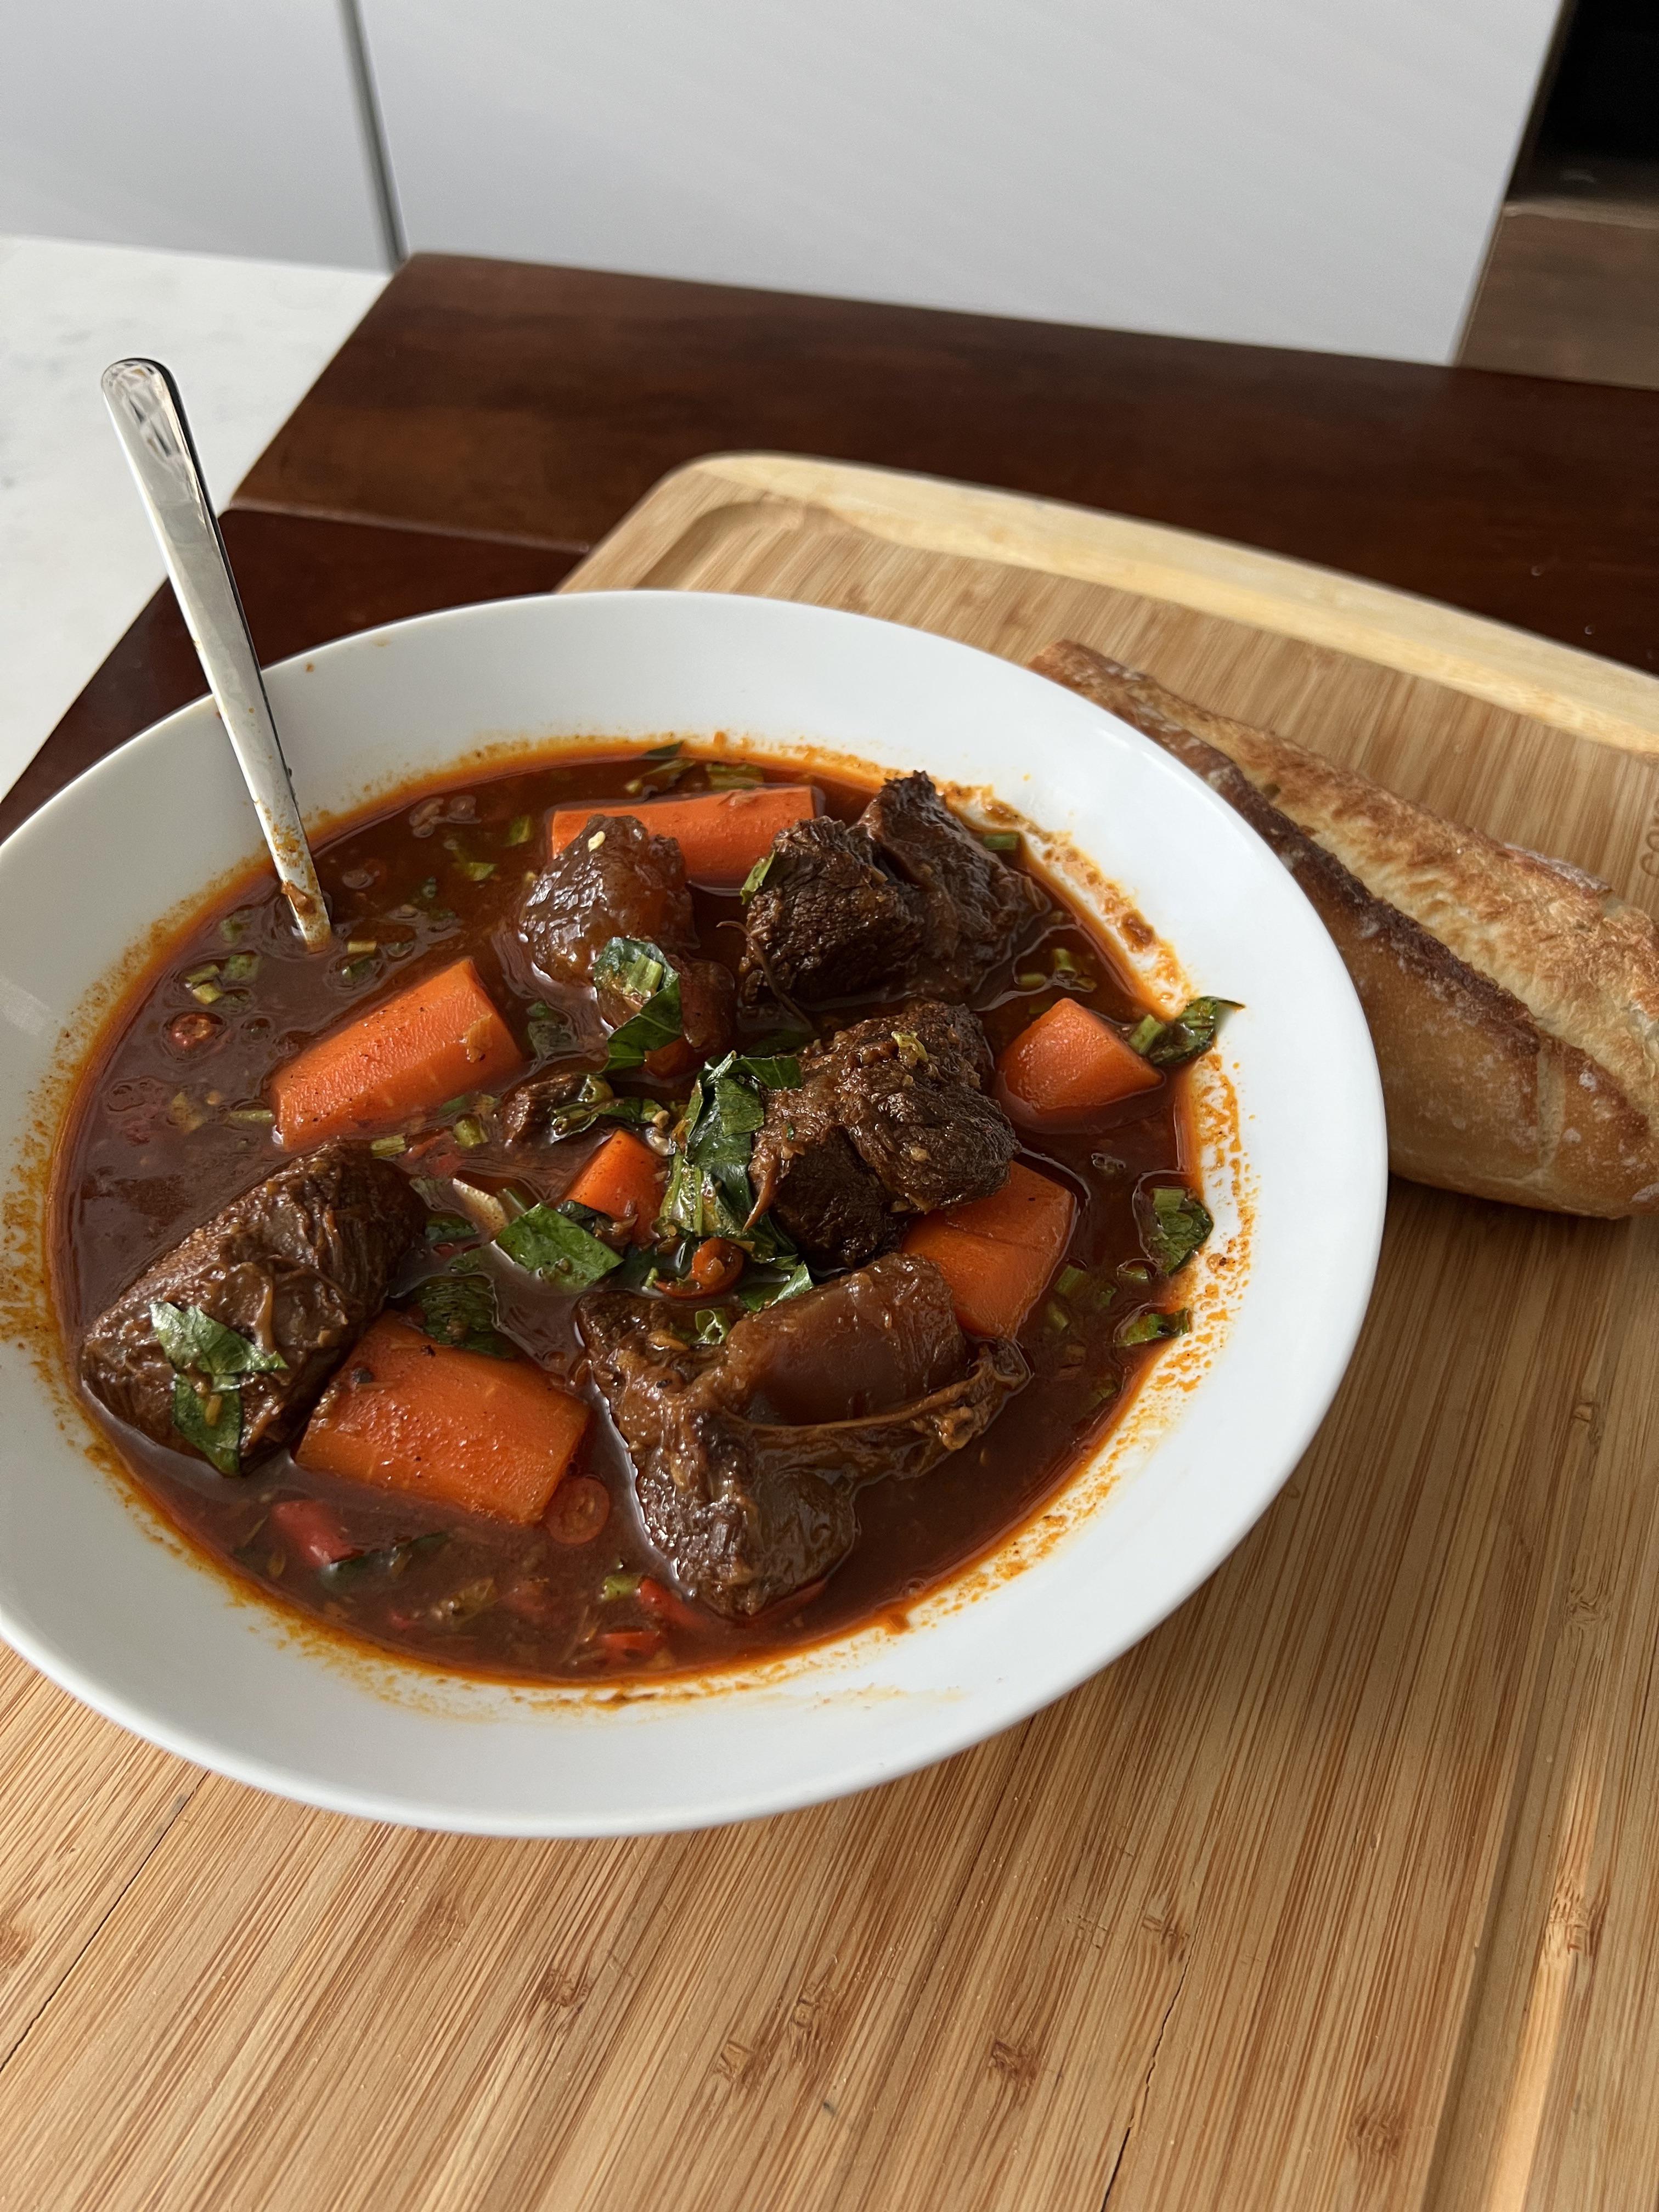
point(485, 424)
point(488, 420)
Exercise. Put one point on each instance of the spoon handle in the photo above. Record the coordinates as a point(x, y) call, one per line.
point(149, 420)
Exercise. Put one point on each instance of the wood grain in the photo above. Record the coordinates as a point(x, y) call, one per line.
point(1338, 1890)
point(542, 403)
point(1568, 689)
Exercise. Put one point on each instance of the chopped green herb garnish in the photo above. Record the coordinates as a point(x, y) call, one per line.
point(772, 1291)
point(475, 872)
point(1065, 974)
point(662, 769)
point(1173, 1224)
point(391, 1559)
point(194, 1341)
point(733, 775)
point(460, 1310)
point(241, 968)
point(773, 1072)
point(233, 927)
point(638, 1271)
point(713, 1327)
point(1030, 980)
point(555, 1248)
point(518, 830)
point(615, 1586)
point(357, 971)
point(999, 840)
point(641, 975)
point(709, 1194)
point(429, 890)
point(785, 1042)
point(596, 1102)
point(1057, 1316)
point(1172, 1044)
point(757, 874)
point(1151, 1326)
point(211, 1419)
point(250, 1115)
point(659, 779)
point(208, 1361)
point(448, 1229)
point(388, 1148)
point(1070, 1281)
point(469, 1133)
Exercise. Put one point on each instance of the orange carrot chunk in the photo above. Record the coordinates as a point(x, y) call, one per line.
point(720, 834)
point(453, 1427)
point(437, 1039)
point(622, 1180)
point(997, 1254)
point(1072, 1061)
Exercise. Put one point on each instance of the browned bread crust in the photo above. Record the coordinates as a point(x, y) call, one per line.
point(1513, 1001)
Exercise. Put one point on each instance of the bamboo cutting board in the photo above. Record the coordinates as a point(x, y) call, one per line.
point(1342, 1889)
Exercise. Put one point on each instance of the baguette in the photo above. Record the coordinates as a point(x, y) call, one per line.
point(1513, 1001)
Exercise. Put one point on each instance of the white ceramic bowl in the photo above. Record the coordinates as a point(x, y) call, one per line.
point(94, 1591)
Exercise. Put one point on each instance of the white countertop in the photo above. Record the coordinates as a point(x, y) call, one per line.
point(245, 339)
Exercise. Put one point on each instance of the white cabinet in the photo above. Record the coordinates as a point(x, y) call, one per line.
point(1307, 173)
point(1310, 172)
point(224, 126)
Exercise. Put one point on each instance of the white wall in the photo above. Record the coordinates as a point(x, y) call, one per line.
point(1311, 172)
point(1308, 172)
point(220, 126)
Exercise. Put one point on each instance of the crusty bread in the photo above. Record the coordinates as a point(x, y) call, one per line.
point(1513, 1001)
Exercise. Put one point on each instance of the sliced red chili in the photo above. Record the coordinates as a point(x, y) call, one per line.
point(622, 1647)
point(312, 1532)
point(580, 1509)
point(667, 1605)
point(715, 1266)
point(189, 1032)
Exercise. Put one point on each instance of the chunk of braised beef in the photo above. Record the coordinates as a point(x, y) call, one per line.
point(893, 1118)
point(748, 1455)
point(975, 909)
point(299, 1265)
point(857, 1346)
point(526, 1113)
point(828, 921)
point(615, 878)
point(817, 1188)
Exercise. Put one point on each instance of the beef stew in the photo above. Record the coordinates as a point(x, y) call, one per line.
point(627, 1251)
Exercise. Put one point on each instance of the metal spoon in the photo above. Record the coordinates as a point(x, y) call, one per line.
point(149, 421)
